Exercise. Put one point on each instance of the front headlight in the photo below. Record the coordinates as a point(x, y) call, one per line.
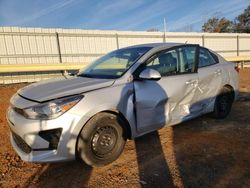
point(51, 109)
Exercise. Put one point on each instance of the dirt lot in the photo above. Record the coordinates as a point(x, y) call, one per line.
point(199, 153)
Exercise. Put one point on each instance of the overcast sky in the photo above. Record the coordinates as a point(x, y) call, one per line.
point(181, 15)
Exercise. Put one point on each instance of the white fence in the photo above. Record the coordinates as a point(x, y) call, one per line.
point(46, 46)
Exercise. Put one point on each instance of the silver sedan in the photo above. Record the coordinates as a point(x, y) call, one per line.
point(123, 95)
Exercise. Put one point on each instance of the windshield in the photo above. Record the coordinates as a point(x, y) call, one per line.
point(114, 64)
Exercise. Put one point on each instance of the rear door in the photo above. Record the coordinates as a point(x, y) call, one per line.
point(210, 79)
point(169, 100)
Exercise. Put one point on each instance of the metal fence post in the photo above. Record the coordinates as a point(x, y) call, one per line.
point(58, 47)
point(117, 41)
point(238, 47)
point(203, 40)
point(64, 72)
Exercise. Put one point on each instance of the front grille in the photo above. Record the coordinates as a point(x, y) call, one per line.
point(21, 143)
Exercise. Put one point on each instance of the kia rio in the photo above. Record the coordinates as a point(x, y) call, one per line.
point(123, 95)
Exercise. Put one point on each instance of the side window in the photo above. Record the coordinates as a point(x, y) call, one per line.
point(176, 61)
point(205, 58)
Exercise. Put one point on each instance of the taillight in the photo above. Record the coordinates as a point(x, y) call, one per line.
point(237, 68)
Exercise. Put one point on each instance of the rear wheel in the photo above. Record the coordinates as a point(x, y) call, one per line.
point(223, 103)
point(102, 139)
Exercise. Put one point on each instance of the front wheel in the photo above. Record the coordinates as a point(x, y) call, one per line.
point(223, 104)
point(102, 139)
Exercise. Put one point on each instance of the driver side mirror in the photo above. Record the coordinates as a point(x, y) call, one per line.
point(149, 74)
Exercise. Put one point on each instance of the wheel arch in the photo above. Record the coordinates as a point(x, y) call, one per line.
point(232, 90)
point(125, 124)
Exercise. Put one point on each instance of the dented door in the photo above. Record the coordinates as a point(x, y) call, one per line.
point(166, 101)
point(169, 100)
point(210, 83)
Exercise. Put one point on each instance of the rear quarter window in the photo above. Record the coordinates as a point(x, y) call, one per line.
point(206, 58)
point(214, 56)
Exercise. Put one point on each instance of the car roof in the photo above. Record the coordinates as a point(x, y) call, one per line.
point(157, 45)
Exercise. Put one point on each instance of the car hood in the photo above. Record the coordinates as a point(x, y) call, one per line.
point(61, 87)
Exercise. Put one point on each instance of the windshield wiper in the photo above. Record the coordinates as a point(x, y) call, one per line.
point(86, 75)
point(98, 76)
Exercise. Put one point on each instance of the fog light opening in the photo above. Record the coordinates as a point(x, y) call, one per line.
point(52, 136)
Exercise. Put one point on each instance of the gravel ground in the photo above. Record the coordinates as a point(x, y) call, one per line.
point(199, 153)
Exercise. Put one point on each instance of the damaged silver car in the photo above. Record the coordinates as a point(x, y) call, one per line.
point(123, 95)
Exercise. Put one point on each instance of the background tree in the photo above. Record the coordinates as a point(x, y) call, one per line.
point(218, 25)
point(242, 22)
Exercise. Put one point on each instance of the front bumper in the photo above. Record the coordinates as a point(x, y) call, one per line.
point(32, 146)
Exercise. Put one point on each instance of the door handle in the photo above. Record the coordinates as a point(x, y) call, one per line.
point(218, 71)
point(192, 82)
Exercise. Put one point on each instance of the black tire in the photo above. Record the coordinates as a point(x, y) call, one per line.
point(101, 140)
point(223, 103)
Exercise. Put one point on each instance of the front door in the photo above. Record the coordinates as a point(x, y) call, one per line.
point(171, 99)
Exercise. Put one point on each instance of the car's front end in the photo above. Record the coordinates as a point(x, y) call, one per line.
point(45, 118)
point(36, 135)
